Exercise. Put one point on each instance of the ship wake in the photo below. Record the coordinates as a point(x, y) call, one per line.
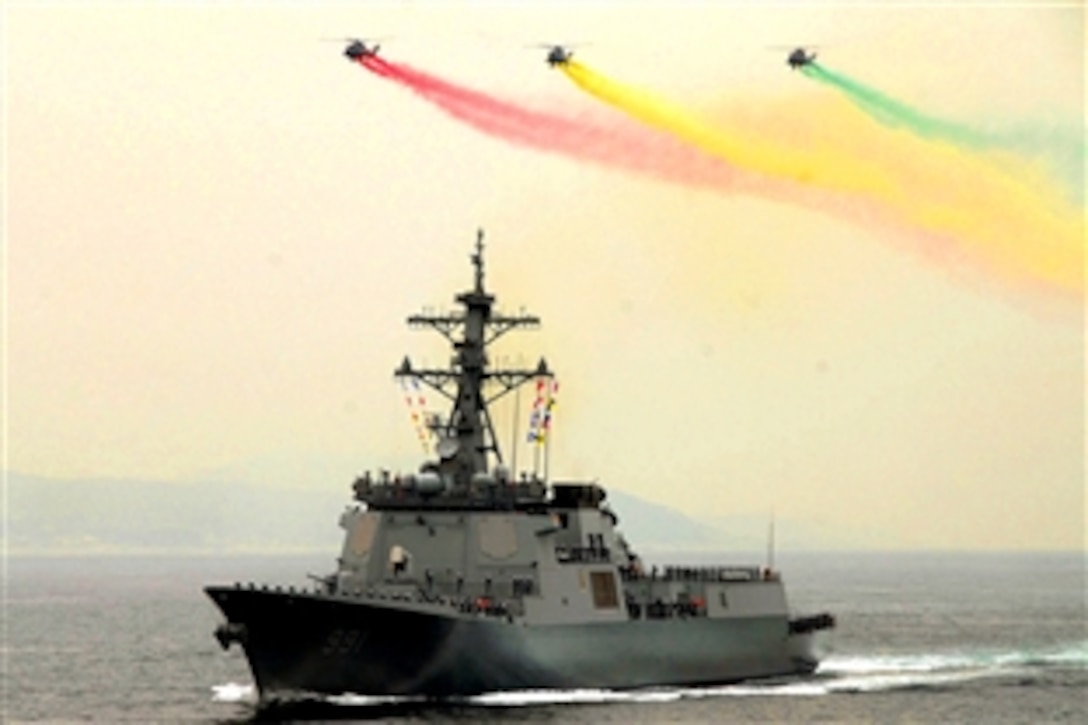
point(845, 674)
point(944, 670)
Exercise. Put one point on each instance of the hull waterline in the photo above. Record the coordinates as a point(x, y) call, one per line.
point(312, 643)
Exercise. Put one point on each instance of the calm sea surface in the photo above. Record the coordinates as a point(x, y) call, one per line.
point(972, 638)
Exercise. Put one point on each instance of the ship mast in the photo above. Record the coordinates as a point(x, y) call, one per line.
point(467, 437)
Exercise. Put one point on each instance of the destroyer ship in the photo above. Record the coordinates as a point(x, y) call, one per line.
point(464, 578)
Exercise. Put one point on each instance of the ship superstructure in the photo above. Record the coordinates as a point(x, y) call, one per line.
point(462, 578)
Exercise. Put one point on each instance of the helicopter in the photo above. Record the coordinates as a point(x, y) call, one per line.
point(559, 55)
point(800, 58)
point(358, 48)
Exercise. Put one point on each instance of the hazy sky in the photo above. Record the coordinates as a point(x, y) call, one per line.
point(215, 227)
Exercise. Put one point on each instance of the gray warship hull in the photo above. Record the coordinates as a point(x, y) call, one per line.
point(300, 643)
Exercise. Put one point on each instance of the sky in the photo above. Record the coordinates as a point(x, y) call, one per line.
point(760, 294)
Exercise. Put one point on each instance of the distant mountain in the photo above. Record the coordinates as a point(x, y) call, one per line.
point(48, 515)
point(54, 515)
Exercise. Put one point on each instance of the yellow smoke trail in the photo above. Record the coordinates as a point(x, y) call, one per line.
point(748, 152)
point(1006, 215)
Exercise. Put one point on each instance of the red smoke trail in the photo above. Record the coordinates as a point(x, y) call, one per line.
point(618, 144)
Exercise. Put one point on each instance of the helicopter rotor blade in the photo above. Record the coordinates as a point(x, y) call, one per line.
point(368, 39)
point(564, 46)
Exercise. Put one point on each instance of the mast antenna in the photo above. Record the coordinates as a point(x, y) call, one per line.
point(478, 260)
point(770, 544)
point(469, 425)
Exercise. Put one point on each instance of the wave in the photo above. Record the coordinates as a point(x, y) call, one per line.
point(234, 692)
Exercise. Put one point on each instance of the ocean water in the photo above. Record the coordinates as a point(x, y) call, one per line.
point(971, 638)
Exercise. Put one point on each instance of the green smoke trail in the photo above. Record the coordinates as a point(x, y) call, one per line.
point(1061, 149)
point(893, 113)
